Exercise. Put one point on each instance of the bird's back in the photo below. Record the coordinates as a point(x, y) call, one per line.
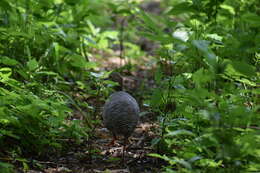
point(121, 113)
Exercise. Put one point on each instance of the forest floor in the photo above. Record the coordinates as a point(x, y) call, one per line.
point(95, 155)
point(106, 158)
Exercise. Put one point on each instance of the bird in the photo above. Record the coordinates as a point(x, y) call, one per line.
point(121, 115)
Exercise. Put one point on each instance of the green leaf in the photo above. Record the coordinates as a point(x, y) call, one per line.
point(244, 68)
point(48, 73)
point(56, 48)
point(77, 61)
point(203, 46)
point(110, 34)
point(6, 168)
point(5, 4)
point(180, 8)
point(150, 23)
point(183, 163)
point(163, 38)
point(32, 64)
point(201, 76)
point(5, 73)
point(157, 98)
point(158, 75)
point(81, 62)
point(92, 28)
point(8, 61)
point(173, 160)
point(180, 132)
point(252, 19)
point(156, 155)
point(8, 133)
point(229, 8)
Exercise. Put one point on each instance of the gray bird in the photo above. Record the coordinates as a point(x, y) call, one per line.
point(120, 115)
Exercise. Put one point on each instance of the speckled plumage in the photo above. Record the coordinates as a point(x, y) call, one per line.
point(121, 114)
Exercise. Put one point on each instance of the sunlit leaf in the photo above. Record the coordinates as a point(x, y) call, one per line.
point(180, 132)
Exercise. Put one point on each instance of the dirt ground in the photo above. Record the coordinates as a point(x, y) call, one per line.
point(95, 155)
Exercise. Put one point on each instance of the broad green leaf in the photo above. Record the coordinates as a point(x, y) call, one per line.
point(6, 167)
point(201, 76)
point(164, 39)
point(172, 160)
point(215, 37)
point(8, 133)
point(180, 8)
point(77, 61)
point(252, 19)
point(183, 163)
point(194, 159)
point(110, 34)
point(93, 30)
point(157, 155)
point(179, 132)
point(5, 5)
point(244, 68)
point(50, 73)
point(90, 65)
point(32, 64)
point(210, 163)
point(81, 62)
point(5, 70)
point(5, 73)
point(229, 8)
point(203, 46)
point(101, 75)
point(157, 98)
point(158, 75)
point(150, 23)
point(246, 81)
point(103, 43)
point(181, 35)
point(56, 48)
point(8, 61)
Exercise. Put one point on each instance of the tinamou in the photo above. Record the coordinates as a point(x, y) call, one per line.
point(121, 114)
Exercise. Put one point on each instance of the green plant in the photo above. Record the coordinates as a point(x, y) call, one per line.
point(6, 168)
point(210, 74)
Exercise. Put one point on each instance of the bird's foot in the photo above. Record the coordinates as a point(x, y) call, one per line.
point(113, 142)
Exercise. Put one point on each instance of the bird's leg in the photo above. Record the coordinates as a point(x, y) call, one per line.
point(124, 148)
point(112, 143)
